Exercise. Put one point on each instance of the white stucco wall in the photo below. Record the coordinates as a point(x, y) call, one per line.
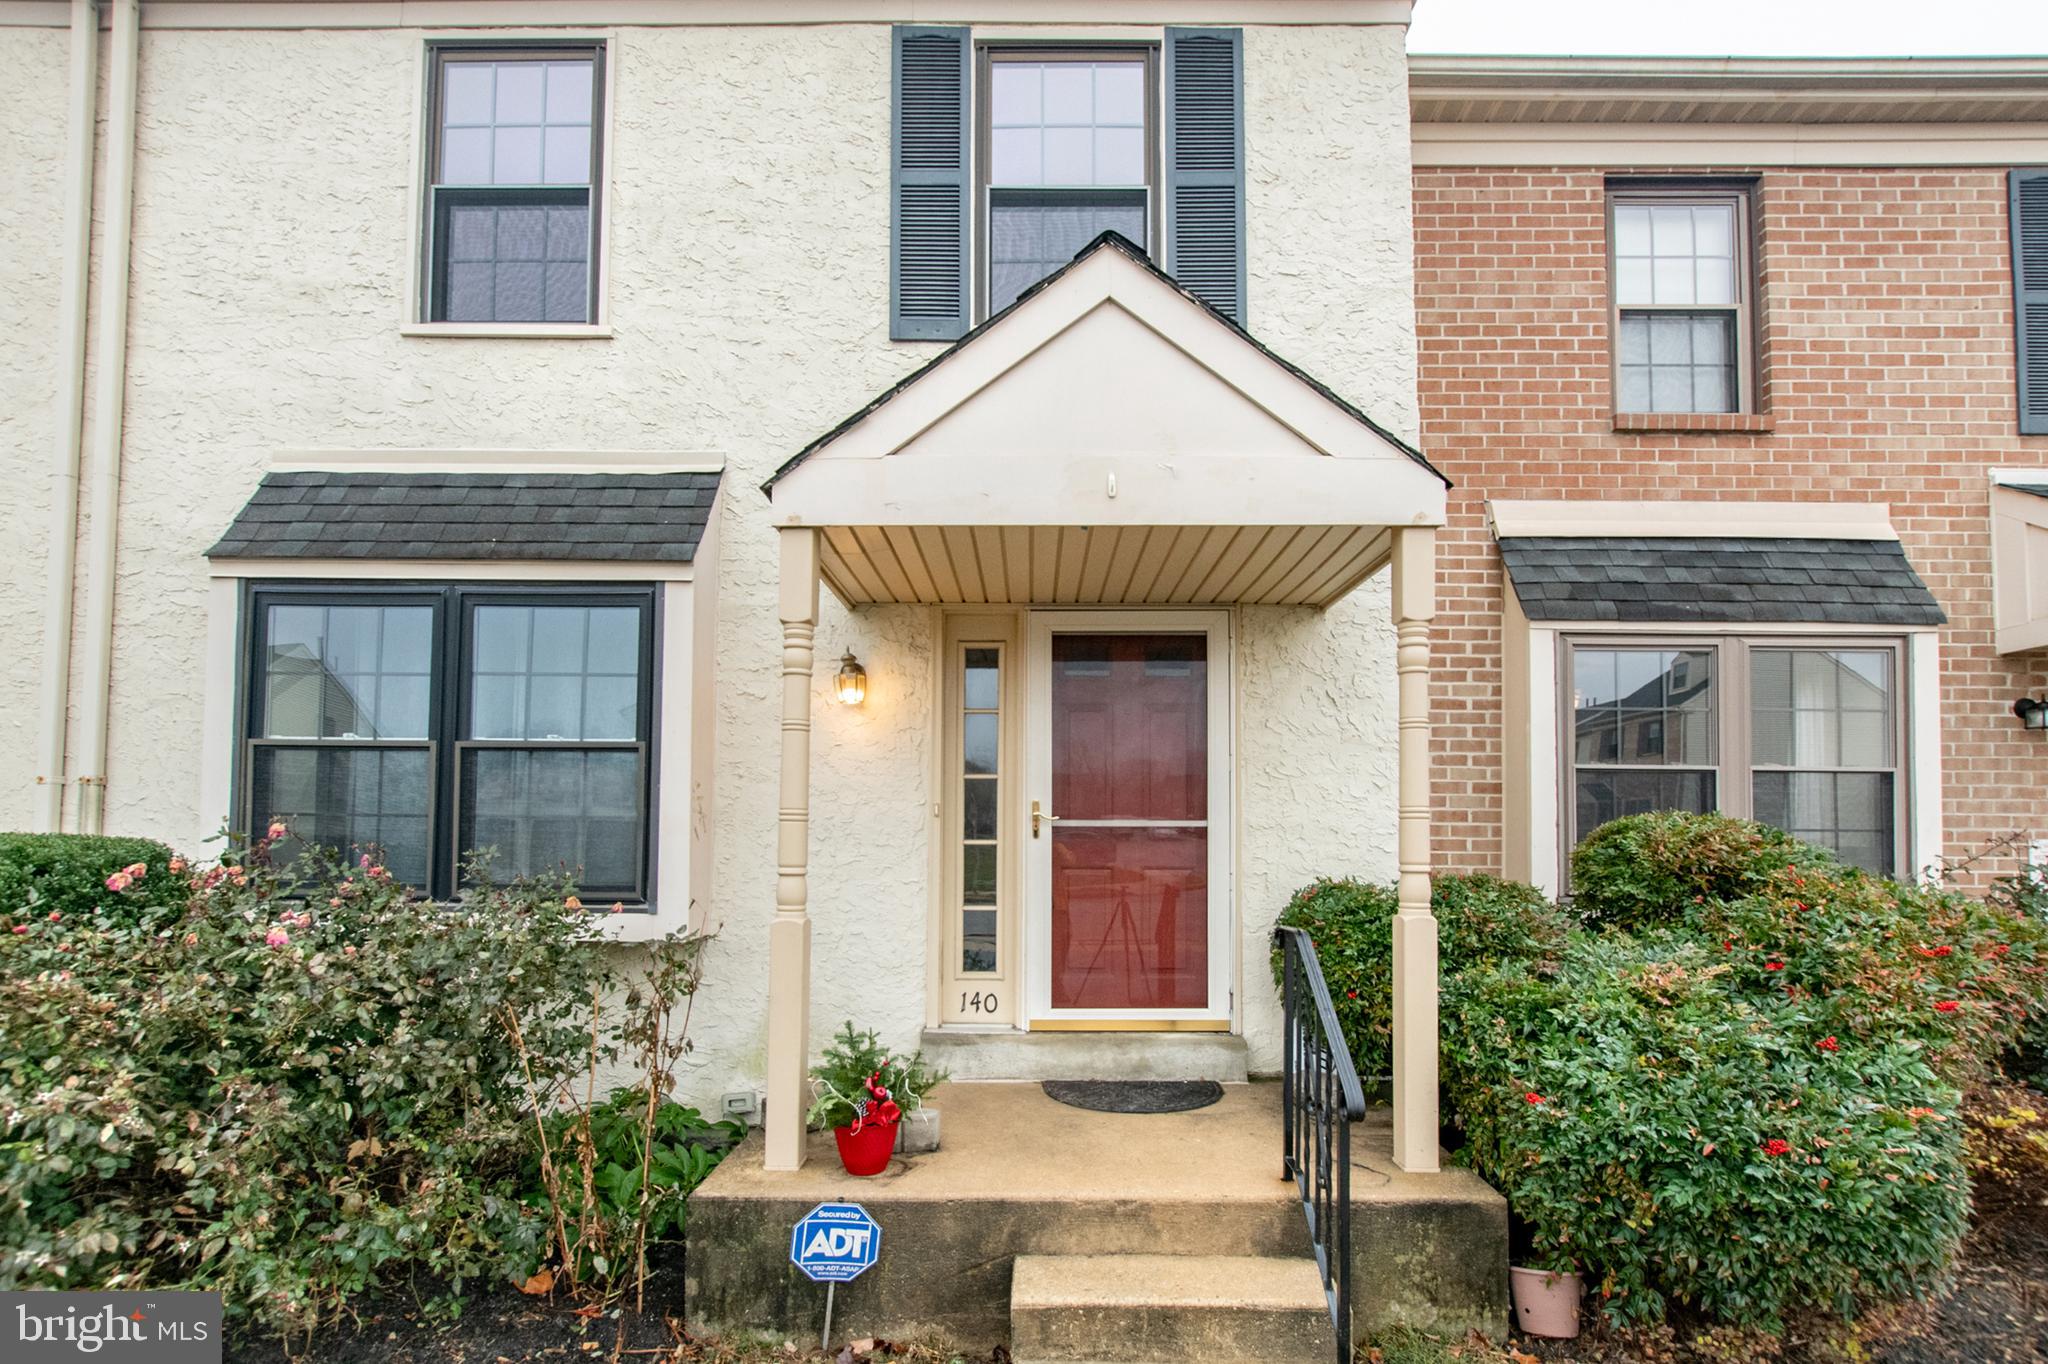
point(32, 118)
point(748, 226)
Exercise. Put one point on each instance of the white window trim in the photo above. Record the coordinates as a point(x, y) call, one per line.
point(1532, 813)
point(413, 321)
point(680, 834)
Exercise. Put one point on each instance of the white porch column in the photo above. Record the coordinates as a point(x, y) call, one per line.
point(789, 937)
point(1415, 978)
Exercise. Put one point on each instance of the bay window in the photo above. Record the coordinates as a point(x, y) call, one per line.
point(428, 723)
point(1797, 733)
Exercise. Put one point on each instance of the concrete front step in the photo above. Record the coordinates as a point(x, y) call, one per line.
point(1009, 1055)
point(1161, 1309)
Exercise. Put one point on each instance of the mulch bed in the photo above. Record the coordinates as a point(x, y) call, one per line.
point(497, 1325)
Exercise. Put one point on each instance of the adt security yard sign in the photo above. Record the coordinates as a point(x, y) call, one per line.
point(835, 1242)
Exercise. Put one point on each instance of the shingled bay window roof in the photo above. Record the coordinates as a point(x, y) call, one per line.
point(1717, 579)
point(595, 517)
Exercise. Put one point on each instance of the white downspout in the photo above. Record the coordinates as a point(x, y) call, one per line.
point(111, 383)
point(70, 403)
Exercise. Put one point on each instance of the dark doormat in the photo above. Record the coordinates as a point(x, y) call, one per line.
point(1135, 1096)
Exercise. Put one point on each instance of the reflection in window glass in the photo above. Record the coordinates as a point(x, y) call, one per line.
point(346, 672)
point(551, 810)
point(980, 803)
point(555, 673)
point(1643, 733)
point(1825, 720)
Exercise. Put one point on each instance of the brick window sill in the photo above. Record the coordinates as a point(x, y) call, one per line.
point(1754, 423)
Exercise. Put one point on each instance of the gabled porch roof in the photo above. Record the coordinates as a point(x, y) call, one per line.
point(1109, 438)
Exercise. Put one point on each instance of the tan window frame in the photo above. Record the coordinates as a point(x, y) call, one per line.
point(1733, 765)
point(1743, 309)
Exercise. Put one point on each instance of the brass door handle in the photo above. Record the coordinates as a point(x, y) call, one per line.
point(1039, 813)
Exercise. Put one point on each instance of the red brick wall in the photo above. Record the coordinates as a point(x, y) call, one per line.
point(1887, 367)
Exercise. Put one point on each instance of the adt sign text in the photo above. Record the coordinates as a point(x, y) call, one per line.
point(835, 1242)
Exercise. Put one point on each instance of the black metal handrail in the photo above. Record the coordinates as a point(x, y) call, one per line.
point(1320, 1099)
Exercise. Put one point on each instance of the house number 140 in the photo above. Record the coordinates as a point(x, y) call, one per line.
point(978, 1002)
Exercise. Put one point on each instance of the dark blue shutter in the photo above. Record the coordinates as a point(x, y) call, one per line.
point(1205, 165)
point(928, 194)
point(2029, 192)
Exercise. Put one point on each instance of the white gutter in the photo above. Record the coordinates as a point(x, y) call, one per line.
point(70, 414)
point(111, 378)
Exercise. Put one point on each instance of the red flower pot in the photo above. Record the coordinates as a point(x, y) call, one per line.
point(866, 1152)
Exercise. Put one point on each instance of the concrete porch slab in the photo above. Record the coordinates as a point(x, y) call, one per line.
point(1019, 1174)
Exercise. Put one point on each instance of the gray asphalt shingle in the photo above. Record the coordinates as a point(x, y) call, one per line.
point(1720, 580)
point(656, 518)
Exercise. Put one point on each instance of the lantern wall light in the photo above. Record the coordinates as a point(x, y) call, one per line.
point(852, 683)
point(2032, 714)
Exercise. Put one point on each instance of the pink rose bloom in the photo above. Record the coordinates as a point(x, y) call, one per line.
point(277, 829)
point(21, 928)
point(119, 881)
point(136, 870)
point(349, 950)
point(277, 937)
point(55, 916)
point(177, 865)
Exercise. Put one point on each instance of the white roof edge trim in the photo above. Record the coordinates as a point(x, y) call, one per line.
point(1443, 71)
point(453, 461)
point(479, 570)
point(1733, 520)
point(2001, 477)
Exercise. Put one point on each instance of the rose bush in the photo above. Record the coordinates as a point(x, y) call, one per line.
point(279, 1087)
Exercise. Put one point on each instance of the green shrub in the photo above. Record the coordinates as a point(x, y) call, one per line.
point(612, 1137)
point(1351, 924)
point(1739, 1090)
point(1646, 870)
point(1686, 1140)
point(67, 874)
point(1483, 921)
point(283, 1097)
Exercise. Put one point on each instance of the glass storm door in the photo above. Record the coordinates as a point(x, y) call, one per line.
point(1130, 833)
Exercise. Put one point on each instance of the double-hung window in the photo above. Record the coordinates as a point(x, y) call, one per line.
point(1680, 271)
point(512, 204)
point(1067, 154)
point(1802, 734)
point(429, 723)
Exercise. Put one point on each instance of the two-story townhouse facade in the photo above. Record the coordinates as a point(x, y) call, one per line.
point(516, 426)
point(1722, 359)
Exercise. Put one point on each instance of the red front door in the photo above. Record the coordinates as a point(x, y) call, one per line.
point(1129, 722)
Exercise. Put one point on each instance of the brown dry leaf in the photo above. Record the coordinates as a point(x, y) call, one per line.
point(589, 1346)
point(540, 1284)
point(1518, 1357)
point(864, 1346)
